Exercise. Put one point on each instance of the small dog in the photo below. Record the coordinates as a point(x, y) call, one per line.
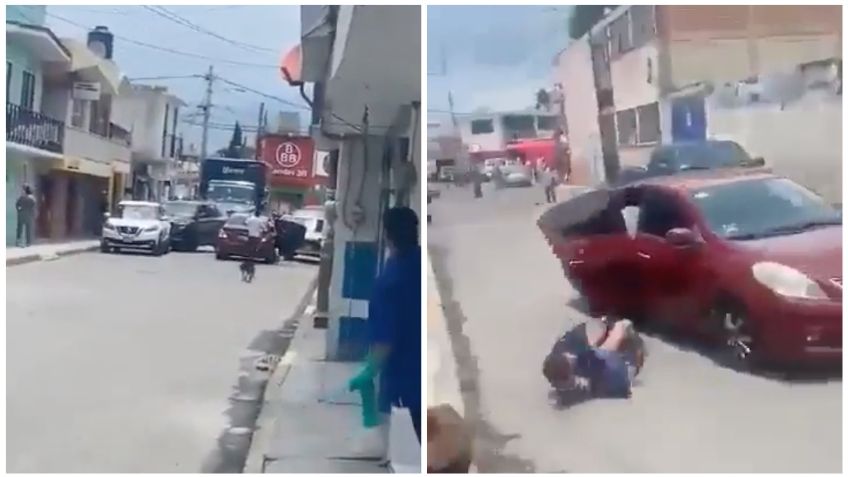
point(248, 270)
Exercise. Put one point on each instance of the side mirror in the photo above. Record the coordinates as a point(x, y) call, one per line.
point(758, 162)
point(682, 237)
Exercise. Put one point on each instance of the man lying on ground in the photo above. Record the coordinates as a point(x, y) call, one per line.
point(588, 362)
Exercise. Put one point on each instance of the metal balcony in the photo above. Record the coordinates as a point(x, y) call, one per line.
point(30, 128)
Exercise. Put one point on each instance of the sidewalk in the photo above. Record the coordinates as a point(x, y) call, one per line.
point(48, 251)
point(310, 424)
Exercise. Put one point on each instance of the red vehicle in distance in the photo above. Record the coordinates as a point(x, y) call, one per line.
point(233, 241)
point(748, 259)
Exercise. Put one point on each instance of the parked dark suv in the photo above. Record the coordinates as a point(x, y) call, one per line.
point(193, 223)
point(675, 158)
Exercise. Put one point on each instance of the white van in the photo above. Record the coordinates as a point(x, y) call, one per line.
point(311, 217)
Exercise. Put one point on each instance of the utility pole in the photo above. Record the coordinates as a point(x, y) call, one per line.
point(207, 107)
point(259, 129)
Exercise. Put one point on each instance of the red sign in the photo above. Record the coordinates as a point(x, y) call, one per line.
point(289, 159)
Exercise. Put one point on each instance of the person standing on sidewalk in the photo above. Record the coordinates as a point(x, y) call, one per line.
point(394, 320)
point(25, 206)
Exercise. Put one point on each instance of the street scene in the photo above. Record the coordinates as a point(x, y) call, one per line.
point(612, 238)
point(212, 239)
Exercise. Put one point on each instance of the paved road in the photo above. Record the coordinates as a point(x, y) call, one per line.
point(121, 363)
point(507, 301)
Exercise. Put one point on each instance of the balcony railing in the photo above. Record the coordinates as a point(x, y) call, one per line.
point(34, 129)
point(120, 135)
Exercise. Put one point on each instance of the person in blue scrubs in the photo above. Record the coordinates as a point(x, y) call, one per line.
point(394, 320)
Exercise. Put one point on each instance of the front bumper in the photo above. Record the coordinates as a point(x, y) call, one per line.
point(802, 331)
point(310, 247)
point(141, 240)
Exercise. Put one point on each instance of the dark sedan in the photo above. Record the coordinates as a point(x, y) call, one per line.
point(193, 223)
point(233, 241)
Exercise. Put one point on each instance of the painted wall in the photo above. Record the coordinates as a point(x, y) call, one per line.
point(802, 141)
point(634, 77)
point(574, 70)
point(143, 113)
point(493, 141)
point(21, 61)
point(355, 252)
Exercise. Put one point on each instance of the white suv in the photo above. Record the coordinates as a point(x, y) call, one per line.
point(137, 226)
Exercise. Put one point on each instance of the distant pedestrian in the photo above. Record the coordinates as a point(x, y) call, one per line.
point(25, 206)
point(550, 182)
point(255, 226)
point(394, 321)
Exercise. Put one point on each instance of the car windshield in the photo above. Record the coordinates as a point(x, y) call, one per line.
point(180, 209)
point(704, 155)
point(138, 211)
point(243, 193)
point(751, 209)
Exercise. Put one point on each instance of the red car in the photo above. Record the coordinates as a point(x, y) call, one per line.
point(748, 259)
point(233, 241)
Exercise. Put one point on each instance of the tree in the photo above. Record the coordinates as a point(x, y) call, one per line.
point(234, 149)
point(584, 17)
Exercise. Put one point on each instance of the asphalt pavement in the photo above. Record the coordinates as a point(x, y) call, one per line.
point(506, 302)
point(132, 363)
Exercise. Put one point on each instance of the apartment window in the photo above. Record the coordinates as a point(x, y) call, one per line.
point(519, 123)
point(547, 123)
point(28, 90)
point(626, 122)
point(642, 24)
point(8, 78)
point(482, 126)
point(639, 126)
point(100, 114)
point(78, 114)
point(648, 123)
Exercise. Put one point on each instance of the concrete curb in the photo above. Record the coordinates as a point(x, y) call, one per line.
point(38, 257)
point(264, 428)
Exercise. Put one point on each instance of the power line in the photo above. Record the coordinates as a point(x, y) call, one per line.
point(166, 49)
point(266, 95)
point(151, 78)
point(180, 20)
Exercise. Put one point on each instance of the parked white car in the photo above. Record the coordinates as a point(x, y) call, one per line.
point(137, 226)
point(311, 217)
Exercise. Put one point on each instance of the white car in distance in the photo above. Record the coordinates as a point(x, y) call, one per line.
point(137, 226)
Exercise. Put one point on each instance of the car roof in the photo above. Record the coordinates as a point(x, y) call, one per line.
point(691, 180)
point(138, 202)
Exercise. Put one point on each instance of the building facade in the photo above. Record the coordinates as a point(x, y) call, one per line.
point(662, 73)
point(60, 138)
point(152, 115)
point(487, 134)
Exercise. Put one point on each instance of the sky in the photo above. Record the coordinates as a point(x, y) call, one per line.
point(496, 57)
point(271, 28)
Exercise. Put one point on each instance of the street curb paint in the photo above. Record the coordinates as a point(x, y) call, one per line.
point(263, 429)
point(40, 257)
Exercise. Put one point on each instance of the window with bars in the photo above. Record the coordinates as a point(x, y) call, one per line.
point(638, 126)
point(28, 90)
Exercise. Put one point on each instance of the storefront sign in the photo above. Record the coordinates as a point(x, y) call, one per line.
point(86, 90)
point(290, 160)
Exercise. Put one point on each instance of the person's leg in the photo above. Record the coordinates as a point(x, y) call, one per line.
point(30, 226)
point(621, 331)
point(19, 230)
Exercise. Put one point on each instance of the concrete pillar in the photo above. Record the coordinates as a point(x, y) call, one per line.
point(356, 247)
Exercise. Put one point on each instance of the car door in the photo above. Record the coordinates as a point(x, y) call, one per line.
point(206, 221)
point(588, 236)
point(214, 221)
point(669, 272)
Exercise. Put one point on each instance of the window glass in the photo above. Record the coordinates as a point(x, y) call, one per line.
point(482, 126)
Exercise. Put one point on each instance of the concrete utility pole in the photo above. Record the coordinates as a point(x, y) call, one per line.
point(260, 128)
point(207, 107)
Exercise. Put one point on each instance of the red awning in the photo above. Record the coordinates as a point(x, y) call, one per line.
point(291, 66)
point(531, 150)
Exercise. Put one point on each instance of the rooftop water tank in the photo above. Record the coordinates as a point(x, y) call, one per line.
point(100, 41)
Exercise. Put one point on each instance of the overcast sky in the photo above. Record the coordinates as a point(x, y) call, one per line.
point(496, 57)
point(275, 28)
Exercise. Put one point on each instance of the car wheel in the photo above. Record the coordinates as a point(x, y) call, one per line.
point(105, 248)
point(736, 346)
point(273, 258)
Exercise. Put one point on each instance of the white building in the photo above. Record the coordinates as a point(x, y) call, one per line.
point(153, 117)
point(650, 74)
point(487, 134)
point(61, 138)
